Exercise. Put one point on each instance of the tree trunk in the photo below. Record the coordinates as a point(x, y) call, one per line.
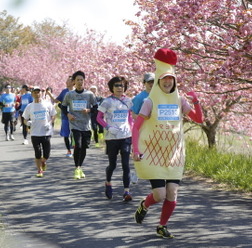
point(211, 136)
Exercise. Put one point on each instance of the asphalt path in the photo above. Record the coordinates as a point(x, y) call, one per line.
point(57, 211)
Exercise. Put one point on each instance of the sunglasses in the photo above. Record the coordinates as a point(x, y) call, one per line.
point(118, 85)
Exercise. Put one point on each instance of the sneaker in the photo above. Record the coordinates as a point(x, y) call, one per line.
point(82, 175)
point(25, 142)
point(44, 166)
point(163, 232)
point(12, 137)
point(140, 213)
point(97, 145)
point(100, 136)
point(77, 174)
point(108, 191)
point(133, 178)
point(7, 138)
point(39, 174)
point(127, 196)
point(69, 154)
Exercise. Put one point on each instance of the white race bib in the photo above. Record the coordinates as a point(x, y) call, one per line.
point(120, 115)
point(40, 115)
point(79, 105)
point(168, 112)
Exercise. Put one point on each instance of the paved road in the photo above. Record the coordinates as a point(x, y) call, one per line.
point(59, 212)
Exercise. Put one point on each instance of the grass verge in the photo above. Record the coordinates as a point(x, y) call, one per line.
point(230, 169)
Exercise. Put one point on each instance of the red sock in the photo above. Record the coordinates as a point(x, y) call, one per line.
point(149, 200)
point(167, 209)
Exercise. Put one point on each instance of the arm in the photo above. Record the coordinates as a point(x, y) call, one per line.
point(130, 119)
point(51, 96)
point(135, 137)
point(100, 119)
point(196, 113)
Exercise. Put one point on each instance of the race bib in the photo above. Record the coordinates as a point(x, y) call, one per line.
point(40, 115)
point(120, 115)
point(79, 105)
point(168, 112)
point(25, 101)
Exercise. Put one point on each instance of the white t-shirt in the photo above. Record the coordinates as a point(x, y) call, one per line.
point(41, 115)
point(116, 114)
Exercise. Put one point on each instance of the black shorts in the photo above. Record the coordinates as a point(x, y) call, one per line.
point(8, 117)
point(160, 183)
point(42, 146)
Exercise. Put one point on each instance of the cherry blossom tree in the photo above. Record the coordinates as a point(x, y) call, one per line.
point(213, 42)
point(50, 60)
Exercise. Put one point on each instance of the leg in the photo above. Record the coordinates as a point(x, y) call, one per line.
point(24, 128)
point(112, 151)
point(67, 143)
point(77, 147)
point(168, 207)
point(85, 142)
point(46, 146)
point(157, 195)
point(125, 155)
point(38, 153)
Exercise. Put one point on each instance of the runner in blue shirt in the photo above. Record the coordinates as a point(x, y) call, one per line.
point(7, 102)
point(26, 98)
point(64, 130)
point(138, 99)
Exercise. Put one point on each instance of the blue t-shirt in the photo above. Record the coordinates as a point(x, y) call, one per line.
point(138, 101)
point(25, 100)
point(9, 101)
point(60, 98)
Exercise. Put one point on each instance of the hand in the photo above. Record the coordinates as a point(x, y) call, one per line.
point(85, 111)
point(137, 156)
point(29, 123)
point(192, 96)
point(47, 126)
point(113, 130)
point(71, 117)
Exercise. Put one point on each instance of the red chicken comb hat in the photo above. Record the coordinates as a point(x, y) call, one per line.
point(166, 55)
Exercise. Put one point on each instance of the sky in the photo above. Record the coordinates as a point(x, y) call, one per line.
point(100, 15)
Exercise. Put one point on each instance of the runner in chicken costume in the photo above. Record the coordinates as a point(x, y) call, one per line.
point(158, 143)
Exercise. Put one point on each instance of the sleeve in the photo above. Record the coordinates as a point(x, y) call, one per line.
point(66, 100)
point(136, 105)
point(135, 133)
point(26, 114)
point(60, 97)
point(100, 119)
point(146, 108)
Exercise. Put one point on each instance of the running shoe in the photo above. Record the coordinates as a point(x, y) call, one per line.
point(77, 174)
point(69, 154)
point(163, 232)
point(12, 137)
point(133, 178)
point(82, 175)
point(127, 196)
point(140, 213)
point(100, 136)
point(39, 174)
point(97, 145)
point(44, 166)
point(108, 191)
point(25, 142)
point(7, 138)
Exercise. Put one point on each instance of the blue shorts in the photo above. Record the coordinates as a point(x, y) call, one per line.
point(64, 131)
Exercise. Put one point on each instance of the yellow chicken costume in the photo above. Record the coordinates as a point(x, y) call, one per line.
point(161, 135)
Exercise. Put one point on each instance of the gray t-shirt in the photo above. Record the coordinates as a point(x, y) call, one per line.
point(76, 102)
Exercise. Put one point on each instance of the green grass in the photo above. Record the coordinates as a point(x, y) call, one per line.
point(233, 170)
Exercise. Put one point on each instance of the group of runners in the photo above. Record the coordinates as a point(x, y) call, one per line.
point(148, 127)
